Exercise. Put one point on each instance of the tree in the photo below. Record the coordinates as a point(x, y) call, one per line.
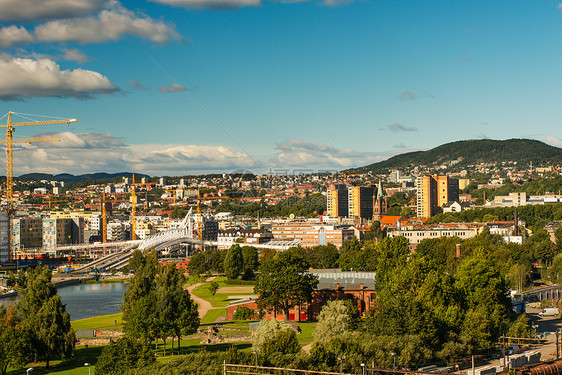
point(284, 342)
point(233, 262)
point(122, 355)
point(13, 348)
point(140, 299)
point(267, 330)
point(177, 314)
point(283, 283)
point(213, 287)
point(334, 319)
point(250, 260)
point(44, 317)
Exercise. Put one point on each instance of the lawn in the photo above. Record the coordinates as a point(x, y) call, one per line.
point(307, 329)
point(71, 366)
point(219, 299)
point(212, 315)
point(100, 322)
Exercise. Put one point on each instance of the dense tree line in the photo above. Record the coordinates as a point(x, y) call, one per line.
point(312, 205)
point(234, 262)
point(534, 216)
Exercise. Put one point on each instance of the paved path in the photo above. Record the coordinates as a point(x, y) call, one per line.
point(203, 305)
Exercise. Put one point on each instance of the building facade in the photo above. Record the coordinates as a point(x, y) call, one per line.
point(360, 202)
point(4, 237)
point(337, 200)
point(434, 192)
point(325, 235)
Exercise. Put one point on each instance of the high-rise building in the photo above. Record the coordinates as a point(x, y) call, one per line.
point(4, 237)
point(380, 205)
point(26, 233)
point(360, 202)
point(433, 192)
point(448, 190)
point(337, 200)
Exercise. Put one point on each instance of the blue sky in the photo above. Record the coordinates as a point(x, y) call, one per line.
point(174, 87)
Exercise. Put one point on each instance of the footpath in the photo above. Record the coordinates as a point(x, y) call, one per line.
point(203, 305)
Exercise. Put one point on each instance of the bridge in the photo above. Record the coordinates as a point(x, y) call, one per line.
point(183, 234)
point(543, 294)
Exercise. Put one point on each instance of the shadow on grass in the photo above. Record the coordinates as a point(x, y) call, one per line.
point(216, 347)
point(81, 355)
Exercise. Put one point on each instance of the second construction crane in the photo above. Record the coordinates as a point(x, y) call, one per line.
point(10, 140)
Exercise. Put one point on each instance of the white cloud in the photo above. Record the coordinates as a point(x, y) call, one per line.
point(80, 153)
point(184, 159)
point(109, 24)
point(30, 10)
point(13, 35)
point(22, 78)
point(174, 87)
point(72, 54)
point(396, 127)
point(553, 141)
point(302, 154)
point(212, 4)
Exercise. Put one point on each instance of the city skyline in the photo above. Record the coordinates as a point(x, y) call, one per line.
point(179, 87)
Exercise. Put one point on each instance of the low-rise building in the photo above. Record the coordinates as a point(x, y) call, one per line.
point(418, 233)
point(327, 234)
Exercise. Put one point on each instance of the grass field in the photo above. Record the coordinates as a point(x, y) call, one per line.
point(307, 329)
point(220, 299)
point(212, 315)
point(100, 322)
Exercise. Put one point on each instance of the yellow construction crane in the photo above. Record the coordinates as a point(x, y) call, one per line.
point(134, 202)
point(9, 160)
point(133, 211)
point(104, 219)
point(199, 214)
point(10, 149)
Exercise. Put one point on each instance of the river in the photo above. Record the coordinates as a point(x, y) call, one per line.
point(88, 300)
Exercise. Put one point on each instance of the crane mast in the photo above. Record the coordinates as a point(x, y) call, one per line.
point(10, 147)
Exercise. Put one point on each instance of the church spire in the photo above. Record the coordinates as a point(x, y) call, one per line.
point(379, 189)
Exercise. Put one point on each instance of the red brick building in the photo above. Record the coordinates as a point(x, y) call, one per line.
point(358, 287)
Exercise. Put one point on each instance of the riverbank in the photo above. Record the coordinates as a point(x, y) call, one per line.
point(58, 284)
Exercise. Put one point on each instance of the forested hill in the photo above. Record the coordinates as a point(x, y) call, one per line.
point(471, 152)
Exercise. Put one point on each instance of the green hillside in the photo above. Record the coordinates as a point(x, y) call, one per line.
point(461, 154)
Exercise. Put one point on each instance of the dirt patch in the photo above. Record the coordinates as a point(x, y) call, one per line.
point(236, 289)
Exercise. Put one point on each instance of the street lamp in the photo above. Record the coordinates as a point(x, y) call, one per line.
point(363, 368)
point(394, 357)
point(29, 370)
point(89, 368)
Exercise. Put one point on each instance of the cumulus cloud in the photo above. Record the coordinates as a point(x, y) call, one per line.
point(13, 35)
point(399, 145)
point(302, 154)
point(396, 127)
point(211, 4)
point(109, 24)
point(553, 141)
point(22, 78)
point(80, 153)
point(408, 95)
point(174, 87)
point(186, 158)
point(33, 10)
point(72, 54)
